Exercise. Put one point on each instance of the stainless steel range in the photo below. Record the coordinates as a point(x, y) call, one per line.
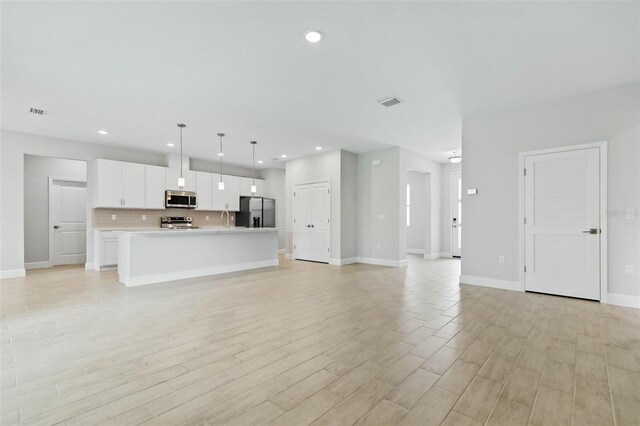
point(177, 222)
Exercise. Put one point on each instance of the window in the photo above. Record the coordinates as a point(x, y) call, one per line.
point(408, 205)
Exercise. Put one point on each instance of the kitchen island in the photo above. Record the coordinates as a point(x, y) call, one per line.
point(159, 255)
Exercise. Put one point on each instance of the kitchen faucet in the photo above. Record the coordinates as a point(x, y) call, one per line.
point(222, 215)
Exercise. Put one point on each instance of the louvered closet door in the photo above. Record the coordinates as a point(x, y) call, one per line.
point(562, 230)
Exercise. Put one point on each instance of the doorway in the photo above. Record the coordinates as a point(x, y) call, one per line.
point(311, 221)
point(563, 203)
point(456, 214)
point(67, 222)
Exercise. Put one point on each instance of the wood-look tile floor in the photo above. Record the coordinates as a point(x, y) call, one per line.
point(306, 343)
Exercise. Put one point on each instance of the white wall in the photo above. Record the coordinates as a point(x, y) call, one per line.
point(348, 205)
point(379, 206)
point(420, 215)
point(275, 187)
point(13, 147)
point(382, 226)
point(445, 212)
point(37, 171)
point(491, 144)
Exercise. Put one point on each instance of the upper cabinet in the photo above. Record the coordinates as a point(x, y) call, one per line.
point(232, 192)
point(120, 184)
point(245, 187)
point(138, 186)
point(155, 186)
point(203, 190)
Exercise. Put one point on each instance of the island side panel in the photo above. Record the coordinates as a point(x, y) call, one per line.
point(154, 258)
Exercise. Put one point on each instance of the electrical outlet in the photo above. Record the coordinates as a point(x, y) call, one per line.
point(501, 260)
point(378, 245)
point(144, 217)
point(631, 270)
point(207, 217)
point(113, 217)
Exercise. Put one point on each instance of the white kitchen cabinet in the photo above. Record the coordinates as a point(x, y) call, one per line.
point(245, 187)
point(155, 186)
point(203, 190)
point(232, 192)
point(172, 176)
point(106, 243)
point(108, 184)
point(133, 185)
point(120, 184)
point(218, 197)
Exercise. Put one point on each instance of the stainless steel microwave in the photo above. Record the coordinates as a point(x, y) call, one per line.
point(180, 199)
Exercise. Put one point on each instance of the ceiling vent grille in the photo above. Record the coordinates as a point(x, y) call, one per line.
point(389, 101)
point(36, 111)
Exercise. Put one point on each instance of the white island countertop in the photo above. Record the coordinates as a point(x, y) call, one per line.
point(167, 231)
point(145, 256)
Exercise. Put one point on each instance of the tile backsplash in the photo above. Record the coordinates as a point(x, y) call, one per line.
point(132, 218)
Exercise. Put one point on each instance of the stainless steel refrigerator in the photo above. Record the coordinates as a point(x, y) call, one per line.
point(256, 212)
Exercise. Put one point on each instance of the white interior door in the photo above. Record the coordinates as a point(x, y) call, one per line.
point(67, 222)
point(311, 227)
point(562, 223)
point(456, 214)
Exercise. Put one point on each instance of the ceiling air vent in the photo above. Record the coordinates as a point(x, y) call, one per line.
point(36, 111)
point(390, 101)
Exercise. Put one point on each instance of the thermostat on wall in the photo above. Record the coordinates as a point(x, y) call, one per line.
point(472, 191)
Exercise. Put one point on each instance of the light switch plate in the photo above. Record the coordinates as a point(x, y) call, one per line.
point(113, 217)
point(144, 217)
point(631, 270)
point(207, 217)
point(376, 162)
point(381, 216)
point(472, 191)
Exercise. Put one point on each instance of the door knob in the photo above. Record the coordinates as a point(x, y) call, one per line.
point(591, 231)
point(313, 226)
point(55, 227)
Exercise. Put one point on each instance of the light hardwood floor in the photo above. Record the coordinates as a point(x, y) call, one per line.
point(308, 343)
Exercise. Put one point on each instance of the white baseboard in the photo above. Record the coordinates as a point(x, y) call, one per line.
point(491, 282)
point(288, 256)
point(37, 265)
point(346, 261)
point(90, 267)
point(181, 275)
point(382, 262)
point(415, 251)
point(431, 256)
point(623, 300)
point(282, 251)
point(13, 273)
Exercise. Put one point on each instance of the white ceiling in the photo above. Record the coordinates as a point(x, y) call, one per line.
point(138, 68)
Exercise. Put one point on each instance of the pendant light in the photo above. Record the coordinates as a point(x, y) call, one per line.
point(221, 154)
point(254, 189)
point(456, 158)
point(181, 181)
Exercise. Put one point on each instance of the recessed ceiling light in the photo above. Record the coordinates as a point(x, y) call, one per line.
point(171, 144)
point(103, 132)
point(318, 148)
point(283, 155)
point(313, 36)
point(260, 161)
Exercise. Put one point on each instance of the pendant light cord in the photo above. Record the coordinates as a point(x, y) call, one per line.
point(181, 160)
point(220, 155)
